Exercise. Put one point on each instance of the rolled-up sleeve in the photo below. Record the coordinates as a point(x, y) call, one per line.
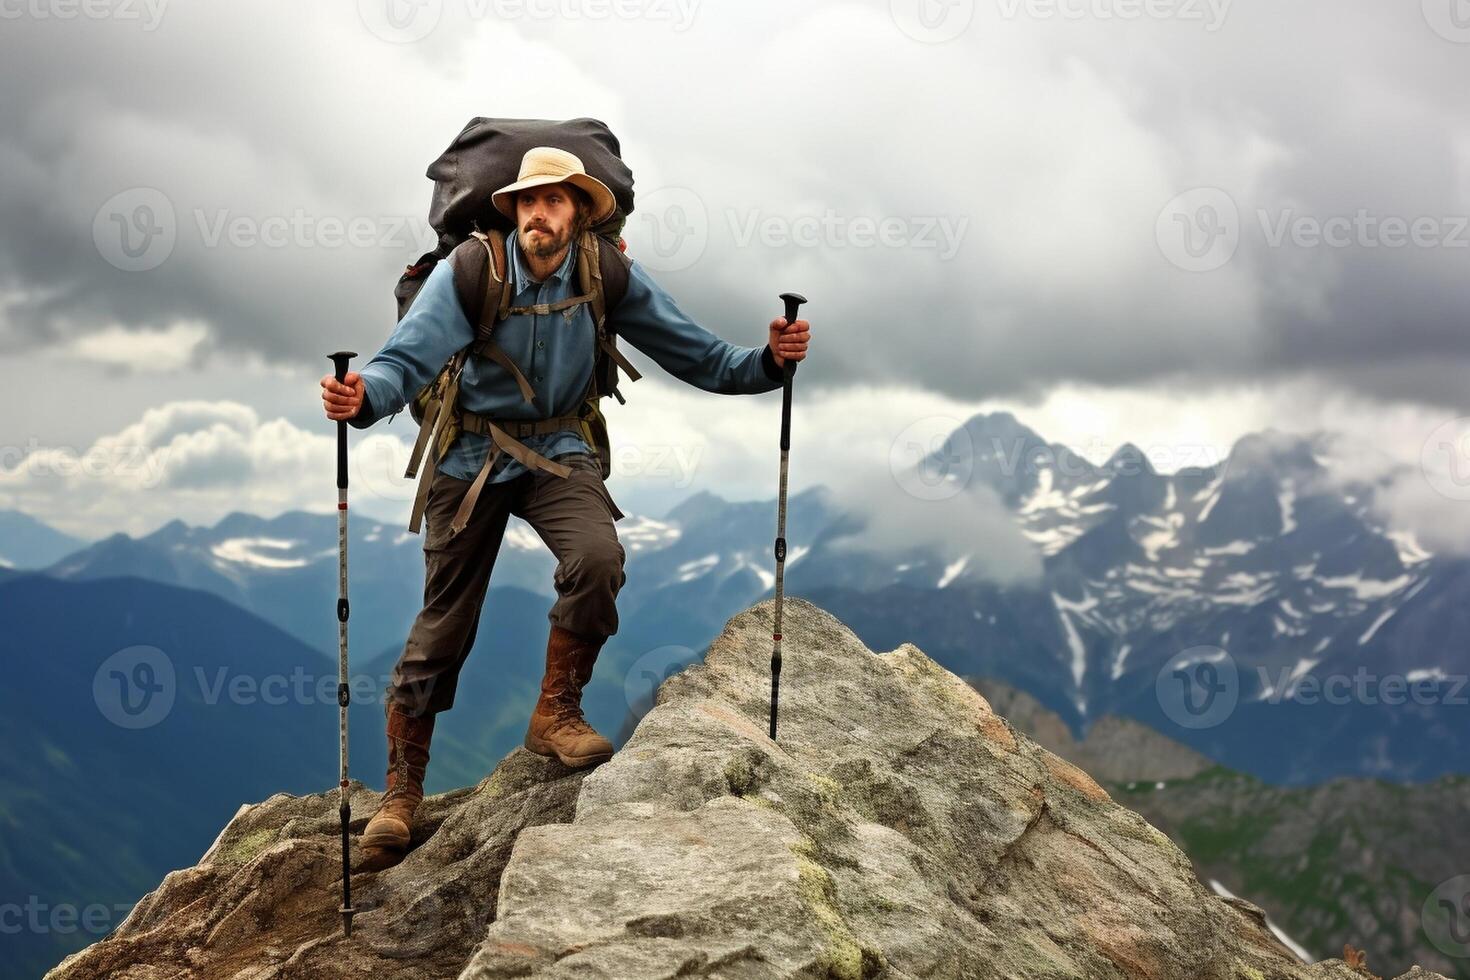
point(429, 333)
point(650, 320)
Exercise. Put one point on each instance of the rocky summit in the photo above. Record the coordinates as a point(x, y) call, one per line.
point(898, 827)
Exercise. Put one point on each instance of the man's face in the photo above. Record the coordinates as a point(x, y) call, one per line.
point(547, 219)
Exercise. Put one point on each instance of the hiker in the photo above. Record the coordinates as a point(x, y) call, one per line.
point(523, 452)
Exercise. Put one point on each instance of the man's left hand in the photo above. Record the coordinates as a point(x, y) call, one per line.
point(789, 341)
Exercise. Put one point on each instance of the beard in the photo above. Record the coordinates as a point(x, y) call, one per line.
point(551, 241)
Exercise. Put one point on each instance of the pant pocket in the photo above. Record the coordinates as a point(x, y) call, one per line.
point(587, 467)
point(440, 505)
point(617, 515)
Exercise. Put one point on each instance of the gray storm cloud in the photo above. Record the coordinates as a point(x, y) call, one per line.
point(987, 216)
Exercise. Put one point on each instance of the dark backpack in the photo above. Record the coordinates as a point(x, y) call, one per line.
point(486, 156)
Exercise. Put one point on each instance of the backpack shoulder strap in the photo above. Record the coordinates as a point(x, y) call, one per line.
point(481, 277)
point(482, 283)
point(615, 266)
point(602, 271)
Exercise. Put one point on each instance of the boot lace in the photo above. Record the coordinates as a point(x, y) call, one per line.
point(570, 719)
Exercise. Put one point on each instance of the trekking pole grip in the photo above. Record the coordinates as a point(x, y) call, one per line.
point(793, 303)
point(339, 360)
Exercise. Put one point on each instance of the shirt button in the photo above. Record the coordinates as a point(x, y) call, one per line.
point(540, 345)
point(538, 377)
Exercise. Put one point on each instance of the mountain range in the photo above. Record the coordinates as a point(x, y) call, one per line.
point(1322, 639)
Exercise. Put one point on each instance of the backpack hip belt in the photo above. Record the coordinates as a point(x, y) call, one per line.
point(501, 441)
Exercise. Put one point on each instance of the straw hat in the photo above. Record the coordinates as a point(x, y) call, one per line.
point(549, 165)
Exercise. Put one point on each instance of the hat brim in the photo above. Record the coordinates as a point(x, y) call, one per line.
point(603, 202)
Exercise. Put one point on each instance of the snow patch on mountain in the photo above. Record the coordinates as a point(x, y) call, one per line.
point(248, 551)
point(647, 534)
point(1410, 551)
point(1066, 610)
point(1366, 589)
point(952, 571)
point(1286, 500)
point(699, 567)
point(1291, 944)
point(1286, 682)
point(1120, 659)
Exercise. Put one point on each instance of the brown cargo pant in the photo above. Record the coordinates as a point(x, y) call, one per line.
point(573, 515)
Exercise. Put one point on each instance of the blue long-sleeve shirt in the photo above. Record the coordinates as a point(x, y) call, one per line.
point(555, 352)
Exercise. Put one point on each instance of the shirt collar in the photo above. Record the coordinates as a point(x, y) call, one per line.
point(521, 274)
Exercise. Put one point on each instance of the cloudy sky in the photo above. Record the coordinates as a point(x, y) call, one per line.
point(1169, 222)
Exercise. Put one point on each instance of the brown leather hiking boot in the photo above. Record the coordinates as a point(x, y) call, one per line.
point(389, 831)
point(557, 725)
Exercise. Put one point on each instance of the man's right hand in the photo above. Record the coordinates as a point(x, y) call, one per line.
point(342, 399)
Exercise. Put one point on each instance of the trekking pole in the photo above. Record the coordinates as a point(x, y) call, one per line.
point(793, 301)
point(344, 696)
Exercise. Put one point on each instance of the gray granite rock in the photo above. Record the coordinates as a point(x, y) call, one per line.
point(897, 828)
point(262, 902)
